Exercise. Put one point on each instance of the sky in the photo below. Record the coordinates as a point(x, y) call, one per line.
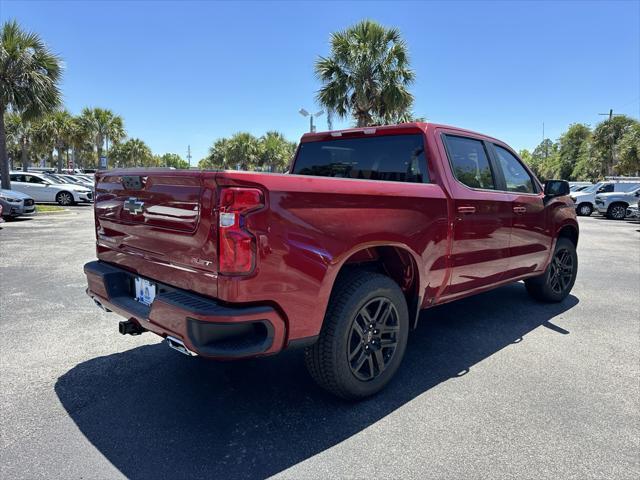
point(186, 73)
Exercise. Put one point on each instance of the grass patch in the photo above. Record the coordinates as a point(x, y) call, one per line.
point(48, 208)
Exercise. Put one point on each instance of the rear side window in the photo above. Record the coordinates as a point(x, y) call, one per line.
point(470, 162)
point(17, 178)
point(399, 158)
point(517, 179)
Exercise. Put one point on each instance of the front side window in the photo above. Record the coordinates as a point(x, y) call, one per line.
point(606, 188)
point(517, 179)
point(399, 158)
point(34, 179)
point(470, 162)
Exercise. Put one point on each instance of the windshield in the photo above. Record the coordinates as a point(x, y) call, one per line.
point(56, 178)
point(592, 188)
point(72, 179)
point(45, 180)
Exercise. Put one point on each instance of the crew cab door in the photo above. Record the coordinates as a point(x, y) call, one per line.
point(481, 215)
point(530, 238)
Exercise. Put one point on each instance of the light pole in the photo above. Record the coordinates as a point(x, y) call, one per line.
point(304, 113)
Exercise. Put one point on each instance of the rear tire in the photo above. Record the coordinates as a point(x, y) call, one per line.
point(363, 337)
point(64, 199)
point(555, 284)
point(617, 211)
point(584, 209)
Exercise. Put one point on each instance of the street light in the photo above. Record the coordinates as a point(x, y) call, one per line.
point(304, 113)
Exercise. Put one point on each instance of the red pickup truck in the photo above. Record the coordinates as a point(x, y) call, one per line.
point(339, 256)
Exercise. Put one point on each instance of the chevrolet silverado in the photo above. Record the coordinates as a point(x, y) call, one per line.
point(339, 256)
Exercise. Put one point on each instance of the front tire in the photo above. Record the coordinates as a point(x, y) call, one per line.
point(584, 209)
point(363, 337)
point(555, 284)
point(617, 211)
point(64, 199)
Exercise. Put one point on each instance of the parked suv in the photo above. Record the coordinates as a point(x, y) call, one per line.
point(614, 205)
point(585, 200)
point(339, 256)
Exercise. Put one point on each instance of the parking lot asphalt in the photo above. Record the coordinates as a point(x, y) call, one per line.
point(494, 386)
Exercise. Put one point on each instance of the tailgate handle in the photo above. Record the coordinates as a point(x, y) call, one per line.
point(519, 209)
point(132, 182)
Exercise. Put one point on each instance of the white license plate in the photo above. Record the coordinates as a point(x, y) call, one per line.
point(145, 291)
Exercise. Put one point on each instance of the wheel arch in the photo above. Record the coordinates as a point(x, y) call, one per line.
point(397, 261)
point(570, 232)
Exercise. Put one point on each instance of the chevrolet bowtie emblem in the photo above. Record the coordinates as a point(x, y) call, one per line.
point(133, 205)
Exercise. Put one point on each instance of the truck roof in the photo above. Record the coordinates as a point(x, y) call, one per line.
point(399, 129)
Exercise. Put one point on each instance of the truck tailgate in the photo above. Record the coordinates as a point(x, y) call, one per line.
point(160, 224)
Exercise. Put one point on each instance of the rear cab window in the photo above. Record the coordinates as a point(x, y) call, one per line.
point(398, 158)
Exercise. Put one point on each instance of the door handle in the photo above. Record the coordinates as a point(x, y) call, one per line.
point(519, 209)
point(466, 209)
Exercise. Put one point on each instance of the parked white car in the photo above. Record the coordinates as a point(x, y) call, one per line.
point(43, 189)
point(73, 179)
point(614, 205)
point(585, 200)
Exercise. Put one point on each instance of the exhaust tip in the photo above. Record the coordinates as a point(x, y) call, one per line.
point(179, 345)
point(100, 306)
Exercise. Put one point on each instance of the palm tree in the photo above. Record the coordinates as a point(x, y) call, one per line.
point(243, 151)
point(275, 151)
point(81, 143)
point(132, 153)
point(138, 153)
point(103, 126)
point(29, 77)
point(20, 134)
point(217, 157)
point(367, 74)
point(58, 127)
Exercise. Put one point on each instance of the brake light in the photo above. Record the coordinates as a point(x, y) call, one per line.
point(236, 249)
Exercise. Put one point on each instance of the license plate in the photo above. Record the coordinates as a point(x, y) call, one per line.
point(145, 291)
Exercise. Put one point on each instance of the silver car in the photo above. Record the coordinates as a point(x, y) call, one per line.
point(16, 204)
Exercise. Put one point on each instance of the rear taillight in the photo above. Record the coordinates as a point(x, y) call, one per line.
point(237, 250)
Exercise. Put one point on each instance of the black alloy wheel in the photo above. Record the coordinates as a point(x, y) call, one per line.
point(373, 338)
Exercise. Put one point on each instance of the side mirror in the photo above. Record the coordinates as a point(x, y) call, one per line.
point(556, 188)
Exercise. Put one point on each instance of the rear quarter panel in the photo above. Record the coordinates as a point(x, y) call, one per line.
point(310, 227)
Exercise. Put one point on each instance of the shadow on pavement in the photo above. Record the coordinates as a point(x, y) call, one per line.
point(156, 414)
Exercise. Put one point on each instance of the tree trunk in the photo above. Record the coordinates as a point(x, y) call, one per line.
point(59, 149)
point(24, 155)
point(363, 117)
point(4, 158)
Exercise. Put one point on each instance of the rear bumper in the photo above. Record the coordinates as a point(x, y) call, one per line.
point(204, 325)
